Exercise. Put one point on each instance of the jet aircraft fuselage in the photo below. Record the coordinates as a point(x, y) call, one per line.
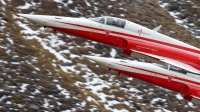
point(134, 39)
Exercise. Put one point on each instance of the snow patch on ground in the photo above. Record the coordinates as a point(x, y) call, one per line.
point(182, 22)
point(27, 29)
point(26, 6)
point(63, 91)
point(178, 96)
point(113, 53)
point(3, 2)
point(23, 87)
point(87, 3)
point(51, 43)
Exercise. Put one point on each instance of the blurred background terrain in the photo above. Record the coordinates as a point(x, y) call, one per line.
point(42, 71)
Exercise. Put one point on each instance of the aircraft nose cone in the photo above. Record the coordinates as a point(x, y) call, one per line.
point(33, 18)
point(100, 60)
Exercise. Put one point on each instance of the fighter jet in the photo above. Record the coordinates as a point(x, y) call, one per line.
point(135, 40)
point(172, 79)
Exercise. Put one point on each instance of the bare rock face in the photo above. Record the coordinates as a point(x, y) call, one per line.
point(41, 71)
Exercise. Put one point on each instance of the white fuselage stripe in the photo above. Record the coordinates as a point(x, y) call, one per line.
point(176, 78)
point(94, 30)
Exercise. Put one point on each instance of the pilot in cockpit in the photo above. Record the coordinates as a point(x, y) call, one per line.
point(119, 23)
point(114, 22)
point(102, 20)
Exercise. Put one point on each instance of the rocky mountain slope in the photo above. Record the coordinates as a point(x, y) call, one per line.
point(42, 71)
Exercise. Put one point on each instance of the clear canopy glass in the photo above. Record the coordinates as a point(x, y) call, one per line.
point(112, 21)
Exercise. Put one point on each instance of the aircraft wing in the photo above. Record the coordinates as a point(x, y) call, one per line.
point(170, 61)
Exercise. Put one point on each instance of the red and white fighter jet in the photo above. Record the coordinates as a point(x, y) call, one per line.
point(179, 81)
point(139, 42)
point(134, 39)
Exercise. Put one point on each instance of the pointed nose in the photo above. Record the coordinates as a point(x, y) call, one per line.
point(100, 60)
point(33, 18)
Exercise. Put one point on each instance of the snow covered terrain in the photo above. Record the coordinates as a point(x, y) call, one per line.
point(42, 71)
point(181, 18)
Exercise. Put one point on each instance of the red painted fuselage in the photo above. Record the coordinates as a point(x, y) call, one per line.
point(126, 35)
point(130, 42)
point(176, 81)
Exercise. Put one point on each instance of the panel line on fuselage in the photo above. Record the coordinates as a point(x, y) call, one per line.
point(132, 37)
point(164, 76)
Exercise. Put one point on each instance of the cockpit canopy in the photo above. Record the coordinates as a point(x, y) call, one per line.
point(113, 21)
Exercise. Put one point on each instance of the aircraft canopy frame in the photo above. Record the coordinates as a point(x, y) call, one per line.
point(112, 21)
